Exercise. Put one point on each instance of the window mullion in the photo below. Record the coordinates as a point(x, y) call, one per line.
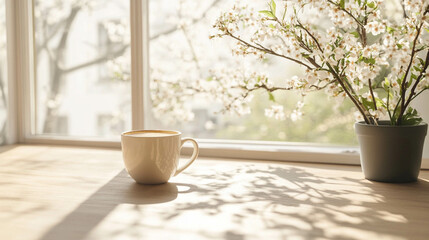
point(139, 60)
point(23, 62)
point(11, 126)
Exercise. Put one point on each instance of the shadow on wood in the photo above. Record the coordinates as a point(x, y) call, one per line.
point(121, 189)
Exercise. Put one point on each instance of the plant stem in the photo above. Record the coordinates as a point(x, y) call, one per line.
point(355, 102)
point(348, 13)
point(404, 79)
point(372, 94)
point(266, 50)
point(311, 35)
point(388, 104)
point(419, 78)
point(404, 13)
point(417, 94)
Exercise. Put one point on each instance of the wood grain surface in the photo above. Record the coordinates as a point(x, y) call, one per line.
point(50, 192)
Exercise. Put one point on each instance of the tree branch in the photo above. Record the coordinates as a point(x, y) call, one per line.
point(195, 20)
point(191, 47)
point(97, 60)
point(48, 38)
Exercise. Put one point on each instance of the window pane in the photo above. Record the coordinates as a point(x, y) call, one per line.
point(83, 67)
point(184, 62)
point(3, 73)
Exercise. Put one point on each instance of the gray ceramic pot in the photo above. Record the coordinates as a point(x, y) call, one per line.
point(391, 153)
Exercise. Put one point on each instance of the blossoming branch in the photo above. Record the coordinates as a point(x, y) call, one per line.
point(373, 52)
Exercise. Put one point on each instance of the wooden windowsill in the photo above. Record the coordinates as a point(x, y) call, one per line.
point(49, 192)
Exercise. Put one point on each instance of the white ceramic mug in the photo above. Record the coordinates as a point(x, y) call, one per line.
point(152, 156)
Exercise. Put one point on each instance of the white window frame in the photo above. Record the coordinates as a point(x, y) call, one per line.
point(11, 120)
point(22, 98)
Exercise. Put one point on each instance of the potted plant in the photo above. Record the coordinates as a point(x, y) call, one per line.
point(373, 53)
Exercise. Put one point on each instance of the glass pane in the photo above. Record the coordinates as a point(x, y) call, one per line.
point(3, 73)
point(184, 62)
point(83, 67)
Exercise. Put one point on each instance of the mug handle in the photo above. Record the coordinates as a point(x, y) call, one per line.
point(193, 157)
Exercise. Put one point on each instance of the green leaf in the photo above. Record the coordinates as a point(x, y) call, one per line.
point(412, 121)
point(390, 30)
point(271, 97)
point(411, 117)
point(273, 7)
point(371, 5)
point(417, 69)
point(368, 104)
point(368, 60)
point(379, 102)
point(356, 34)
point(267, 13)
point(386, 83)
point(342, 3)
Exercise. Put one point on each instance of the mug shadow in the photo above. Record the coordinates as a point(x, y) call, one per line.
point(119, 190)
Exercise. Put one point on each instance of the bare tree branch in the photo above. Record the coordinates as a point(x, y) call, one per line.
point(97, 60)
point(195, 20)
point(57, 72)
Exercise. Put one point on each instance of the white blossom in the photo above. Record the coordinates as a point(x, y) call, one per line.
point(341, 58)
point(375, 27)
point(276, 112)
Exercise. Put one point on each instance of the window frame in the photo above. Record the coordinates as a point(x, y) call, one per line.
point(21, 108)
point(11, 126)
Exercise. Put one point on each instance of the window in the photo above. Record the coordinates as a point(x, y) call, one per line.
point(182, 56)
point(83, 91)
point(3, 73)
point(82, 58)
point(108, 124)
point(82, 55)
